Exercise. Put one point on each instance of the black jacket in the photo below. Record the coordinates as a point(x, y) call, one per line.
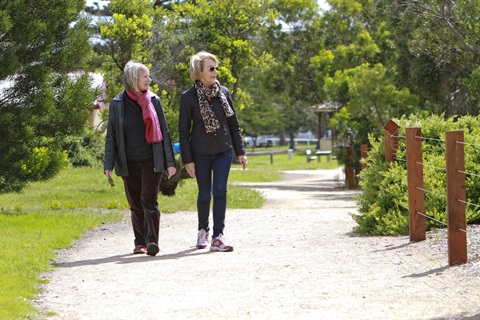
point(193, 136)
point(115, 156)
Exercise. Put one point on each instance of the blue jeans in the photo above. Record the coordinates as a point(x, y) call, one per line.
point(212, 176)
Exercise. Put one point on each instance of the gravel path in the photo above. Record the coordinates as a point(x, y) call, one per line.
point(295, 258)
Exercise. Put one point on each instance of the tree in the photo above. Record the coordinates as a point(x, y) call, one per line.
point(287, 85)
point(42, 98)
point(448, 35)
point(371, 101)
point(349, 40)
point(355, 69)
point(227, 29)
point(435, 51)
point(125, 38)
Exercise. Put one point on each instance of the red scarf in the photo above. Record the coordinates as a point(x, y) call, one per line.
point(150, 118)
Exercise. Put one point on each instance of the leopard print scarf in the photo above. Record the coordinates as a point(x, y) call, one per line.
point(205, 94)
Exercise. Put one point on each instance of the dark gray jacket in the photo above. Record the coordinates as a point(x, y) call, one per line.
point(115, 156)
point(193, 136)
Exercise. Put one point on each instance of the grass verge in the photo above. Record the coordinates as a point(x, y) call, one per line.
point(28, 245)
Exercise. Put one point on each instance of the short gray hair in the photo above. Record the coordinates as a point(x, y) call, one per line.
point(197, 62)
point(131, 74)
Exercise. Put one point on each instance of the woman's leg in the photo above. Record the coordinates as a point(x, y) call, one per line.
point(221, 169)
point(133, 187)
point(203, 173)
point(149, 200)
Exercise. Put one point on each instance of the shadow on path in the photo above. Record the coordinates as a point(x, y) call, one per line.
point(131, 258)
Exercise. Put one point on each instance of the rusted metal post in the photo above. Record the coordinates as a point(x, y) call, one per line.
point(456, 197)
point(364, 154)
point(416, 195)
point(390, 132)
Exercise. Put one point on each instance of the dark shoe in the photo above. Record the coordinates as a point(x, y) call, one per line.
point(152, 249)
point(140, 249)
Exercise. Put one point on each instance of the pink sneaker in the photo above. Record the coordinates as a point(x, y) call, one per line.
point(140, 249)
point(218, 244)
point(202, 239)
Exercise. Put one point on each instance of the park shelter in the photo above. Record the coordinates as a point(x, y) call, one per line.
point(326, 136)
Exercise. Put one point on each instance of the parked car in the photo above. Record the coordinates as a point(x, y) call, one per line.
point(248, 141)
point(265, 141)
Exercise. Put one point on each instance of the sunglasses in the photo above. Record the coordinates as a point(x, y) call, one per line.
point(213, 68)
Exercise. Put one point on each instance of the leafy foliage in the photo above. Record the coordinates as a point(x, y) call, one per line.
point(383, 205)
point(87, 149)
point(284, 86)
point(125, 38)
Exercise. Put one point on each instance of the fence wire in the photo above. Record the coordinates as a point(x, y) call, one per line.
point(431, 192)
point(469, 173)
point(431, 166)
point(431, 139)
point(431, 218)
point(468, 144)
point(438, 168)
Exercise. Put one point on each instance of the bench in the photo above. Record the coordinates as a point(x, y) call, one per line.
point(323, 153)
point(309, 155)
point(262, 153)
point(270, 153)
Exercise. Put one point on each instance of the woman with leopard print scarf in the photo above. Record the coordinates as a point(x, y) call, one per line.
point(209, 134)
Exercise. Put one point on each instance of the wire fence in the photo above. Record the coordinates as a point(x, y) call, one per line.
point(455, 185)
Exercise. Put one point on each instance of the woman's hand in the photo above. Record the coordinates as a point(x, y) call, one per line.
point(171, 171)
point(108, 173)
point(243, 161)
point(190, 167)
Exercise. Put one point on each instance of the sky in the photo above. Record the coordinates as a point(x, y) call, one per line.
point(323, 4)
point(101, 3)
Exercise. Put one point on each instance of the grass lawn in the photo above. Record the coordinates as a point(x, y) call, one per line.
point(28, 245)
point(49, 216)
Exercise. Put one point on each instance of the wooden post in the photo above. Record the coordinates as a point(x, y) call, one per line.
point(350, 172)
point(416, 196)
point(319, 129)
point(456, 215)
point(364, 154)
point(351, 178)
point(390, 133)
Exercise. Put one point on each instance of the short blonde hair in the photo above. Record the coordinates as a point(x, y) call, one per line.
point(131, 74)
point(197, 62)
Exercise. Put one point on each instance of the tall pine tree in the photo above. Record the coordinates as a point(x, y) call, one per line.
point(43, 95)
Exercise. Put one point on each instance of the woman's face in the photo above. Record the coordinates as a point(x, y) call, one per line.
point(143, 82)
point(208, 76)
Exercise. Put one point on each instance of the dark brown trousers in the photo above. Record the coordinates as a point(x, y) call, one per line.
point(141, 188)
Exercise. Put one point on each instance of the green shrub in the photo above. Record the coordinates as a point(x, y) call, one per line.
point(86, 150)
point(383, 205)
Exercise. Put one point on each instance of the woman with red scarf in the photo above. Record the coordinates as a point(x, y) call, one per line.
point(139, 148)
